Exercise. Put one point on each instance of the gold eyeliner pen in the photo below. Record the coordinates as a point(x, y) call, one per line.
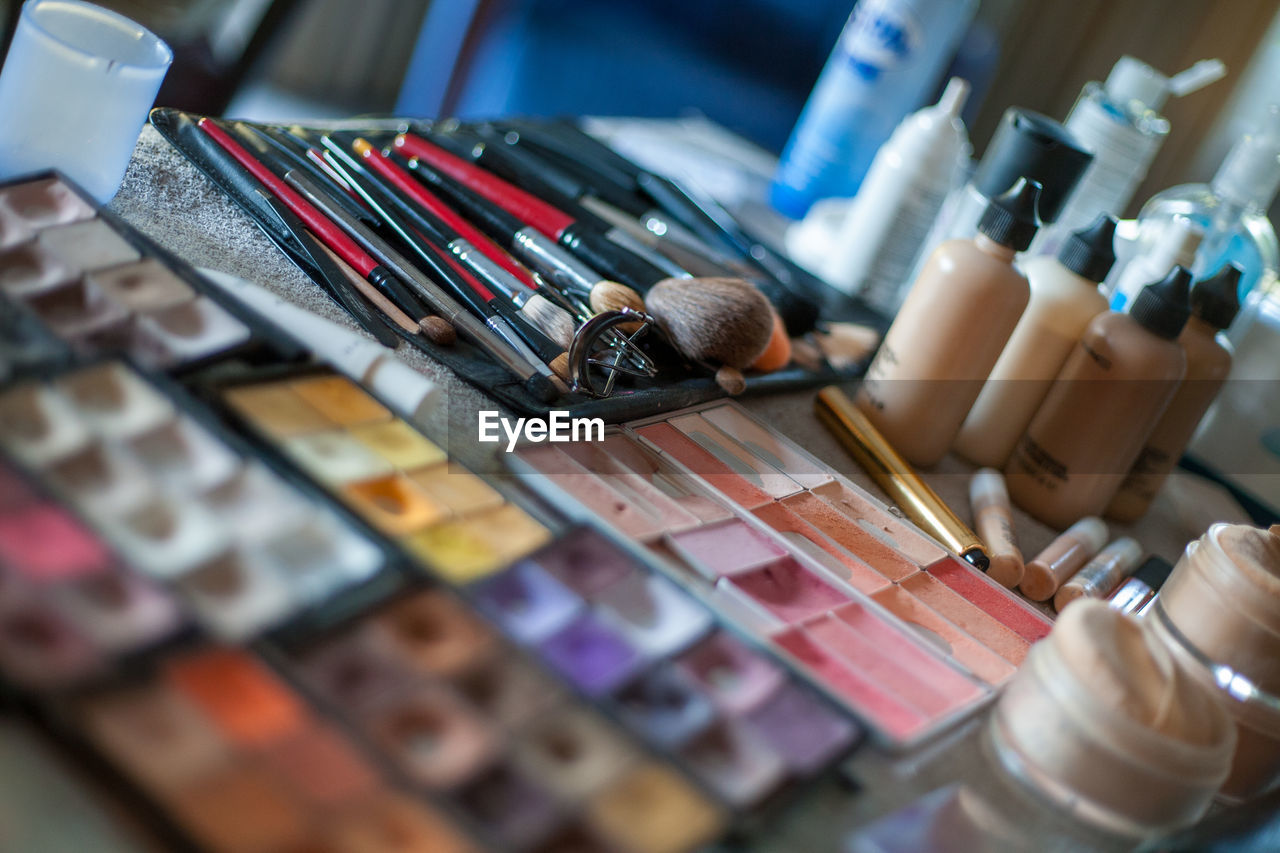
point(891, 472)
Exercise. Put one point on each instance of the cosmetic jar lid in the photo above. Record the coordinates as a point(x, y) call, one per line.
point(1090, 252)
point(1011, 219)
point(1250, 580)
point(1028, 144)
point(1163, 307)
point(1216, 298)
point(1103, 722)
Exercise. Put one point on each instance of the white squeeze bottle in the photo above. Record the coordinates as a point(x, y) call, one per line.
point(899, 198)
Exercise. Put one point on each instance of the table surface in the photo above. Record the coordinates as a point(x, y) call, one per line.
point(168, 199)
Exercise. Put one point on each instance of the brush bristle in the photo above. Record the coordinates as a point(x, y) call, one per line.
point(720, 320)
point(560, 367)
point(439, 330)
point(555, 322)
point(614, 296)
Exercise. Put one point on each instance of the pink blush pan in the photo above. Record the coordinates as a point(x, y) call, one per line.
point(973, 655)
point(969, 618)
point(696, 458)
point(727, 548)
point(893, 716)
point(919, 684)
point(807, 537)
point(788, 590)
point(996, 603)
point(848, 535)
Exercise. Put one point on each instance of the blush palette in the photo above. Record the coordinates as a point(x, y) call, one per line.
point(873, 610)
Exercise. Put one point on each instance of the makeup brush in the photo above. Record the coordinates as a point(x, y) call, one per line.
point(549, 360)
point(557, 265)
point(321, 227)
point(479, 282)
point(793, 288)
point(515, 284)
point(499, 347)
point(536, 381)
point(519, 168)
point(611, 197)
point(589, 243)
point(336, 282)
point(720, 320)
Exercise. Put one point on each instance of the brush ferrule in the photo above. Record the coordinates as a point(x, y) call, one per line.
point(546, 256)
point(668, 267)
point(489, 272)
point(509, 336)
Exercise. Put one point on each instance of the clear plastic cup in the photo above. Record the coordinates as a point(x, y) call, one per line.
point(74, 92)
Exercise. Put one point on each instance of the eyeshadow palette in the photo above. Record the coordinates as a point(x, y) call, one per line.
point(877, 613)
point(386, 471)
point(479, 729)
point(245, 549)
point(68, 603)
point(74, 273)
point(238, 760)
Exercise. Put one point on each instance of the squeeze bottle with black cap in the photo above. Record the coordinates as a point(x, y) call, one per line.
point(1026, 144)
point(950, 331)
point(1214, 304)
point(1113, 389)
point(1064, 298)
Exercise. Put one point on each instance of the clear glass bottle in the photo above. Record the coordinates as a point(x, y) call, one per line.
point(1231, 209)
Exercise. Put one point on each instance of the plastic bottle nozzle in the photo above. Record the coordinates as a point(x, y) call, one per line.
point(954, 97)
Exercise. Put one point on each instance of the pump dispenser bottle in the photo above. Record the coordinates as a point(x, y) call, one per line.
point(950, 331)
point(1064, 298)
point(1113, 389)
point(1213, 306)
point(1026, 144)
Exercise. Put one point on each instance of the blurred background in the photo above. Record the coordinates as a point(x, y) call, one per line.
point(746, 64)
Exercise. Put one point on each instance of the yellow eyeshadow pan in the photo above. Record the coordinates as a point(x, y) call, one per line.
point(340, 400)
point(393, 504)
point(456, 488)
point(465, 550)
point(277, 410)
point(399, 444)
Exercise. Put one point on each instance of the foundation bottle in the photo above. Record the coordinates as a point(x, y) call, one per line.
point(1214, 304)
point(1100, 410)
point(950, 331)
point(1219, 613)
point(1064, 298)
